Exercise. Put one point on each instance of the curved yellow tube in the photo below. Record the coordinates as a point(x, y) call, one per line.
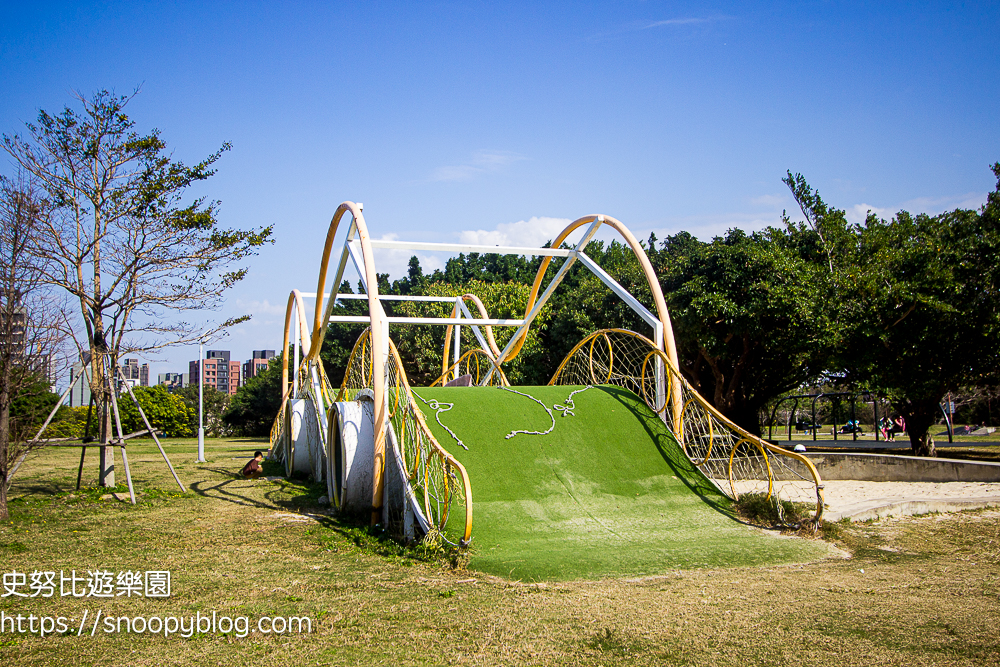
point(473, 353)
point(490, 340)
point(294, 308)
point(670, 346)
point(375, 316)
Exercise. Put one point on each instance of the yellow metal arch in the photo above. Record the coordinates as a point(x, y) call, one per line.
point(375, 316)
point(474, 353)
point(670, 346)
point(407, 408)
point(490, 340)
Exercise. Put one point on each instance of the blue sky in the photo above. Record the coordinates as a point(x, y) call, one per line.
point(483, 122)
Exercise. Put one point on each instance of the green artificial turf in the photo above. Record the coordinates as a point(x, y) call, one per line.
point(607, 493)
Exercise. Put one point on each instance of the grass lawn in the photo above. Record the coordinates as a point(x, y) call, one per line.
point(916, 590)
point(607, 493)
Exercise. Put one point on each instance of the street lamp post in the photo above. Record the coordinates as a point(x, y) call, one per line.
point(201, 401)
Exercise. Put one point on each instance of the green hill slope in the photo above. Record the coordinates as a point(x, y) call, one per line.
point(607, 493)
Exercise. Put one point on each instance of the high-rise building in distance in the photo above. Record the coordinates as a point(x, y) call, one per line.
point(220, 372)
point(261, 358)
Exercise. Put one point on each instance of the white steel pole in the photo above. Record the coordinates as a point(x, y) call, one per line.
point(295, 368)
point(201, 401)
point(458, 339)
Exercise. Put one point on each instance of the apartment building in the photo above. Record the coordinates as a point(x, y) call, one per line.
point(80, 394)
point(220, 372)
point(171, 380)
point(261, 358)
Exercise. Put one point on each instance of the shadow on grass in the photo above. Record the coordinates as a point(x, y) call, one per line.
point(688, 473)
point(234, 487)
point(352, 527)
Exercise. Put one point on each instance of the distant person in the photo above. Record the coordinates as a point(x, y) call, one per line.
point(852, 426)
point(885, 425)
point(899, 425)
point(252, 469)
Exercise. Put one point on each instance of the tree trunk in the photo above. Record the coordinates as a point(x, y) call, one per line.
point(3, 490)
point(4, 442)
point(107, 457)
point(745, 416)
point(920, 418)
point(99, 389)
point(923, 445)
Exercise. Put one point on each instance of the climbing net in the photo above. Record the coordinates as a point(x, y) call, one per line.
point(736, 461)
point(439, 483)
point(322, 394)
point(477, 363)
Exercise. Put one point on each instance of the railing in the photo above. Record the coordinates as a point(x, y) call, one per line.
point(737, 461)
point(440, 484)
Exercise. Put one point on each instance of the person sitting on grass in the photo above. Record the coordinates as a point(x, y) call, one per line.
point(252, 469)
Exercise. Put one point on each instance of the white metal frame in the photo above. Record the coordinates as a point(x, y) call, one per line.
point(352, 251)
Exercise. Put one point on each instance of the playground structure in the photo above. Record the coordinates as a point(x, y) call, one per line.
point(370, 441)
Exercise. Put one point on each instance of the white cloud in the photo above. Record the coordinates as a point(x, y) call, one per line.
point(532, 233)
point(770, 200)
point(929, 205)
point(686, 21)
point(635, 26)
point(859, 212)
point(396, 262)
point(482, 162)
point(260, 308)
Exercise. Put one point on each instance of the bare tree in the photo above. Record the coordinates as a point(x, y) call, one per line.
point(122, 239)
point(30, 325)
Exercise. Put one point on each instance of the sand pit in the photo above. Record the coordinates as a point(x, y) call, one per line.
point(861, 500)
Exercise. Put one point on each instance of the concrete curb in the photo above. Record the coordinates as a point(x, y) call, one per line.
point(896, 468)
point(882, 507)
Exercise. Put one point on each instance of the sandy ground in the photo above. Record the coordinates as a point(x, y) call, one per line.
point(850, 497)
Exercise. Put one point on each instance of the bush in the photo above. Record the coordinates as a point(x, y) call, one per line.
point(759, 509)
point(165, 411)
point(69, 423)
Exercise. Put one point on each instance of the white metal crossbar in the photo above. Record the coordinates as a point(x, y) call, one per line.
point(364, 319)
point(462, 247)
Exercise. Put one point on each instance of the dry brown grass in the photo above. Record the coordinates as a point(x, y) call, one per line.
point(915, 591)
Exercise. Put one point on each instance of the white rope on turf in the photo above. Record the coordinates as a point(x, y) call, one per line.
point(566, 409)
point(437, 405)
point(544, 407)
point(570, 406)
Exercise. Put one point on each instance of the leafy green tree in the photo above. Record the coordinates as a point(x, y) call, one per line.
point(920, 306)
point(754, 315)
point(124, 239)
point(421, 347)
point(214, 403)
point(31, 407)
point(339, 339)
point(69, 423)
point(166, 412)
point(255, 405)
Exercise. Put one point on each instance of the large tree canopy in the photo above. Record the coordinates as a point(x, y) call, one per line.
point(754, 314)
point(920, 305)
point(121, 238)
point(252, 410)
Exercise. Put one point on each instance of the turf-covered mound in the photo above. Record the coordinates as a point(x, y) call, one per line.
point(607, 493)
